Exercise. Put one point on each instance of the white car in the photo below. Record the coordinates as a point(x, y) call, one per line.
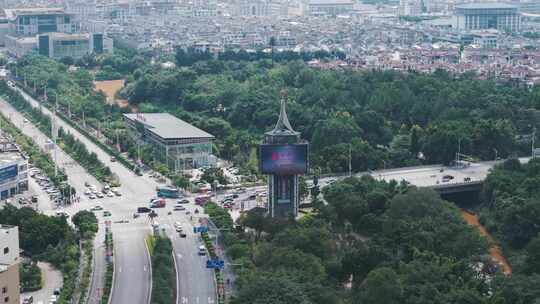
point(91, 196)
point(178, 227)
point(87, 192)
point(96, 208)
point(110, 194)
point(100, 195)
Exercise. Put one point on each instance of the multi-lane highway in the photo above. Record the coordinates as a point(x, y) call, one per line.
point(132, 269)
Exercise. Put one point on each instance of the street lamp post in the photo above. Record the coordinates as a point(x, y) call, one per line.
point(496, 152)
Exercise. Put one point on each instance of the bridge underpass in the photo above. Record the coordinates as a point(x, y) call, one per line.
point(446, 180)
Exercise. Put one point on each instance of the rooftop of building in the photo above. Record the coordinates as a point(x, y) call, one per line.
point(9, 153)
point(68, 36)
point(330, 2)
point(6, 227)
point(168, 126)
point(13, 13)
point(9, 157)
point(486, 5)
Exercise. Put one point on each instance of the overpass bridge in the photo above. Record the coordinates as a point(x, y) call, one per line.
point(444, 179)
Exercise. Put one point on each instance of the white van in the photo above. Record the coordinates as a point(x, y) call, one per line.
point(202, 250)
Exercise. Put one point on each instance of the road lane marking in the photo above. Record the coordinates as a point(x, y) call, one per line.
point(210, 300)
point(184, 300)
point(144, 268)
point(179, 256)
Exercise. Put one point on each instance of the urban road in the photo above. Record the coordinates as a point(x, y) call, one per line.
point(132, 283)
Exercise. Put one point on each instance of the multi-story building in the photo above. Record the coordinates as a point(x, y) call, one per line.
point(50, 31)
point(485, 39)
point(9, 265)
point(330, 7)
point(530, 6)
point(261, 8)
point(13, 169)
point(59, 45)
point(488, 15)
point(33, 21)
point(410, 7)
point(176, 143)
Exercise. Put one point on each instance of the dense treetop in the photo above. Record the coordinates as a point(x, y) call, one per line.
point(386, 118)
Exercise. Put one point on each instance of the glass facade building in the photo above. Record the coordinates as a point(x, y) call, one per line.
point(479, 16)
point(175, 142)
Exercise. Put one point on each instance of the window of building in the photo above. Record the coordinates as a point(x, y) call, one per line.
point(4, 289)
point(6, 250)
point(6, 299)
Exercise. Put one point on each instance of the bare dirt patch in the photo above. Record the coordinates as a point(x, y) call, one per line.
point(110, 88)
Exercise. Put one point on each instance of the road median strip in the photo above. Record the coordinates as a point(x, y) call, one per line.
point(163, 275)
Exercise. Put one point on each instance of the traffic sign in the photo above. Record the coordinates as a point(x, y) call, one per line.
point(200, 229)
point(215, 263)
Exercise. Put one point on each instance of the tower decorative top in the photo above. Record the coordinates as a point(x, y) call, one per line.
point(283, 123)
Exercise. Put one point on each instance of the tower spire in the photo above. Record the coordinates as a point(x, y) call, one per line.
point(283, 123)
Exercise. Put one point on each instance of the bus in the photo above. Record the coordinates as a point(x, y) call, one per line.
point(168, 192)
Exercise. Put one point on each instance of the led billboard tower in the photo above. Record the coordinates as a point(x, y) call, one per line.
point(283, 156)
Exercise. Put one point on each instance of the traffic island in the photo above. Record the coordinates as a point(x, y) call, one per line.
point(109, 273)
point(163, 270)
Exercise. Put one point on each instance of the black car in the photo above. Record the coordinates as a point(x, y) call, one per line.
point(143, 210)
point(183, 201)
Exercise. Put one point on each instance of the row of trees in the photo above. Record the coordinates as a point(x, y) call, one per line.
point(163, 271)
point(66, 141)
point(37, 157)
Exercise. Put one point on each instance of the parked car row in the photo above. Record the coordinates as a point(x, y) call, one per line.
point(46, 184)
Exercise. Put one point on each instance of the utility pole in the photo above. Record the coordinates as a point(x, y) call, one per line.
point(53, 133)
point(117, 140)
point(83, 122)
point(459, 152)
point(532, 142)
point(350, 161)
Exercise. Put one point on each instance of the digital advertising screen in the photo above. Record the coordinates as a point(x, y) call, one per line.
point(283, 159)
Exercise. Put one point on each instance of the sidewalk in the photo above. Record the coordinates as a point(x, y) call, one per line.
point(52, 279)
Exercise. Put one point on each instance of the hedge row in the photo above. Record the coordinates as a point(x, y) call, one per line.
point(72, 146)
point(105, 297)
point(85, 133)
point(163, 272)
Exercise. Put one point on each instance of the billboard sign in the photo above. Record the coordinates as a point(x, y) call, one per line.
point(283, 159)
point(8, 172)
